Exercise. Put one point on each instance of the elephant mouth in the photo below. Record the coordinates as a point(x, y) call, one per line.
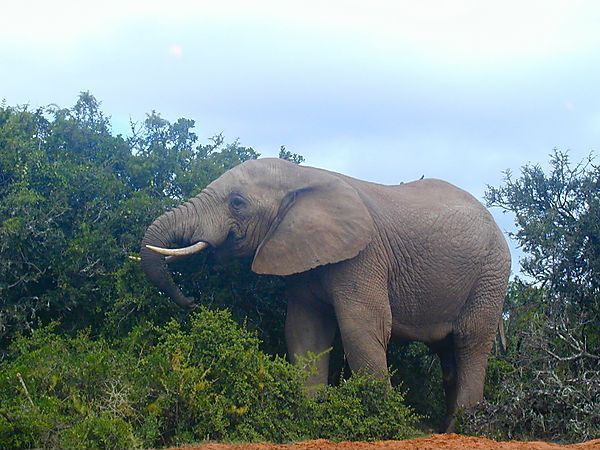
point(177, 252)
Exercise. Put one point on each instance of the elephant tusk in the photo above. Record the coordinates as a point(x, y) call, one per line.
point(185, 251)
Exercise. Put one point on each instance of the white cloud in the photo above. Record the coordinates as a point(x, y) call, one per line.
point(449, 32)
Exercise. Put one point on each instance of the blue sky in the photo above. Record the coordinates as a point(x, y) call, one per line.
point(380, 90)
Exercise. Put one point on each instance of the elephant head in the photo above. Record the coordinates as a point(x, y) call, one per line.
point(289, 218)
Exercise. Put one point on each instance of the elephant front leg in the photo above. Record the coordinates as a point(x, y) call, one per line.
point(365, 321)
point(310, 327)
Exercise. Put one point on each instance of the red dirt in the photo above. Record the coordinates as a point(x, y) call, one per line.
point(435, 442)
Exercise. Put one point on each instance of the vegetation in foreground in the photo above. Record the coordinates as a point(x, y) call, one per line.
point(205, 380)
point(92, 357)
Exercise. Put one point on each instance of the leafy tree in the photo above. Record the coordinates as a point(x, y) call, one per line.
point(548, 384)
point(56, 202)
point(558, 226)
point(75, 201)
point(289, 156)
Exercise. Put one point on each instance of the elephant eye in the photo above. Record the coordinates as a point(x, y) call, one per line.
point(237, 203)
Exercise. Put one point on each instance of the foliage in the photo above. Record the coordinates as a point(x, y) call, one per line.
point(547, 407)
point(174, 384)
point(120, 366)
point(547, 386)
point(531, 391)
point(417, 368)
point(558, 226)
point(289, 156)
point(362, 409)
point(75, 201)
point(58, 391)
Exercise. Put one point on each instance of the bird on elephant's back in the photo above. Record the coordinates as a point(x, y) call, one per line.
point(420, 261)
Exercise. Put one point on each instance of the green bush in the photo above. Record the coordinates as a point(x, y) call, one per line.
point(104, 432)
point(362, 409)
point(55, 389)
point(545, 407)
point(174, 384)
point(417, 368)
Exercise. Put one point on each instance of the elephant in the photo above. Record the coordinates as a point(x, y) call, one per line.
point(419, 261)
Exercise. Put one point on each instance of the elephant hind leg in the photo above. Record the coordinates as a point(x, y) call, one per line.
point(474, 335)
point(445, 352)
point(471, 364)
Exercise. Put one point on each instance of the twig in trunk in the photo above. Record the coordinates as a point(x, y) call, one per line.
point(20, 378)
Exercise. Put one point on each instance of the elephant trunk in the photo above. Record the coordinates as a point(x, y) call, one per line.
point(170, 228)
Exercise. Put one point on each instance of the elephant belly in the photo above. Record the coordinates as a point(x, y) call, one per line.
point(427, 312)
point(427, 333)
point(428, 291)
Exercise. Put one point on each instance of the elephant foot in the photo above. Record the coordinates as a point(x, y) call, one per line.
point(449, 425)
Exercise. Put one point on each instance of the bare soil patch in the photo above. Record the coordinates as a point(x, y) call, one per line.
point(434, 442)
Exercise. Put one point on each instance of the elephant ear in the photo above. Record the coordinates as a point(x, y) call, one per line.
point(321, 223)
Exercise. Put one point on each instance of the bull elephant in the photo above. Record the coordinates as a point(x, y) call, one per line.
point(420, 261)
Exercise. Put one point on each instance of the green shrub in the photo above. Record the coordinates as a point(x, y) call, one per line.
point(362, 409)
point(417, 368)
point(174, 384)
point(104, 432)
point(210, 381)
point(52, 388)
point(544, 407)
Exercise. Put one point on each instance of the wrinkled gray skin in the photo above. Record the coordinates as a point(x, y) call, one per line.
point(419, 261)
